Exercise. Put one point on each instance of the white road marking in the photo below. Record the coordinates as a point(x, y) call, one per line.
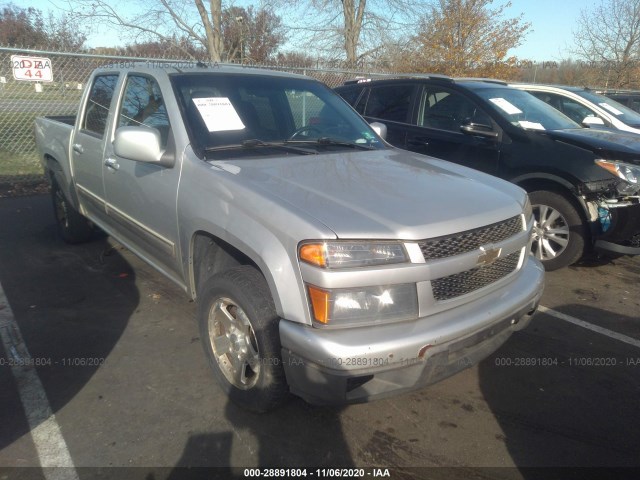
point(52, 450)
point(590, 326)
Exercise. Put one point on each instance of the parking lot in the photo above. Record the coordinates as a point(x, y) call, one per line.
point(118, 354)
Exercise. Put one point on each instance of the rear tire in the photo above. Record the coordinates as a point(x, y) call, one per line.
point(73, 227)
point(239, 331)
point(559, 233)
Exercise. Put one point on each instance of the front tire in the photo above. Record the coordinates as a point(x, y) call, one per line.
point(72, 226)
point(239, 331)
point(559, 232)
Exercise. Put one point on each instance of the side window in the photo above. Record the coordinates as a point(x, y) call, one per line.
point(634, 104)
point(97, 109)
point(576, 111)
point(350, 94)
point(390, 102)
point(572, 109)
point(143, 105)
point(362, 102)
point(445, 110)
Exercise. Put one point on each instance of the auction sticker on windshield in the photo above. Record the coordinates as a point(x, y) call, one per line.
point(531, 125)
point(611, 108)
point(506, 106)
point(34, 69)
point(218, 114)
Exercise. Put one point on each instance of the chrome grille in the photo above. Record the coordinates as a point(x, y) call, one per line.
point(462, 283)
point(457, 243)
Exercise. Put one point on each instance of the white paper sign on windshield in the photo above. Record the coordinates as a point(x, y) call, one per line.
point(531, 125)
point(611, 108)
point(506, 106)
point(218, 114)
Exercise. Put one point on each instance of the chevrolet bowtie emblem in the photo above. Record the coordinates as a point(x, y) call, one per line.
point(487, 256)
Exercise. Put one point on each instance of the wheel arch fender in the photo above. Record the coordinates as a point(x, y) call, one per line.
point(212, 249)
point(55, 172)
point(554, 183)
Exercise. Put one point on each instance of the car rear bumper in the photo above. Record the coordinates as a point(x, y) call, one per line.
point(362, 364)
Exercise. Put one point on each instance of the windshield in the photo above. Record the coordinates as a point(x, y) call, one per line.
point(524, 110)
point(255, 115)
point(619, 111)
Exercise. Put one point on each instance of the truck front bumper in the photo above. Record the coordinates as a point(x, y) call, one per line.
point(361, 364)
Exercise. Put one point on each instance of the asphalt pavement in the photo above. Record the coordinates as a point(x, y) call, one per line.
point(117, 352)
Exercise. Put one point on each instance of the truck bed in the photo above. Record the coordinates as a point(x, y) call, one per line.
point(68, 119)
point(53, 134)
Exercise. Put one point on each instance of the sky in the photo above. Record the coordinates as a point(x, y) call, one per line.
point(549, 39)
point(552, 25)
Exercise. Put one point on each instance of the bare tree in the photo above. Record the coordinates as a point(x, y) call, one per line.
point(162, 20)
point(353, 14)
point(173, 48)
point(251, 35)
point(354, 30)
point(608, 39)
point(468, 37)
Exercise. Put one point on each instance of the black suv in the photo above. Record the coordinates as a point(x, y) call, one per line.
point(584, 183)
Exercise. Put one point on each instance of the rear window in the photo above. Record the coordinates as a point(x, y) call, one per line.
point(97, 110)
point(350, 94)
point(390, 102)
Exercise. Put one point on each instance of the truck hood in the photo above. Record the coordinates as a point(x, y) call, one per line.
point(613, 145)
point(388, 194)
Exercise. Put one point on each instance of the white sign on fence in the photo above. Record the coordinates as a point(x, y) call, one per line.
point(31, 68)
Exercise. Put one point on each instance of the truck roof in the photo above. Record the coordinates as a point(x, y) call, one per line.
point(172, 67)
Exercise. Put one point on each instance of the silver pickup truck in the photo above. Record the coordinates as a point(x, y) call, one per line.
point(325, 263)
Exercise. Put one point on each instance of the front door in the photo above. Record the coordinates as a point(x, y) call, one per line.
point(141, 197)
point(436, 130)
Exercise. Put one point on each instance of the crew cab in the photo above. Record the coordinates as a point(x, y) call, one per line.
point(324, 262)
point(583, 183)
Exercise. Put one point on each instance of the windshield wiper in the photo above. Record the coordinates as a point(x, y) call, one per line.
point(256, 143)
point(333, 141)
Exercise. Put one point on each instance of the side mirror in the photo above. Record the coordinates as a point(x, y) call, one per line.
point(380, 129)
point(479, 129)
point(141, 144)
point(592, 122)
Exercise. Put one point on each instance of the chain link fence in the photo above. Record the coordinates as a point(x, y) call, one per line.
point(21, 101)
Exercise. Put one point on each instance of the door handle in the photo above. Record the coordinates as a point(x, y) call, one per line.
point(416, 142)
point(78, 148)
point(112, 163)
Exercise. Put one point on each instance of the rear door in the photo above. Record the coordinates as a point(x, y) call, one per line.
point(436, 129)
point(392, 105)
point(88, 143)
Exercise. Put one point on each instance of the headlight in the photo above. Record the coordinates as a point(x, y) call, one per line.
point(627, 172)
point(352, 254)
point(364, 305)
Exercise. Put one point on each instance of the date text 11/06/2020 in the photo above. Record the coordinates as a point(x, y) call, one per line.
point(48, 362)
point(316, 472)
point(570, 361)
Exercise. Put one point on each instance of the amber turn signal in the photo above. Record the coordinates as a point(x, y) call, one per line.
point(313, 253)
point(320, 303)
